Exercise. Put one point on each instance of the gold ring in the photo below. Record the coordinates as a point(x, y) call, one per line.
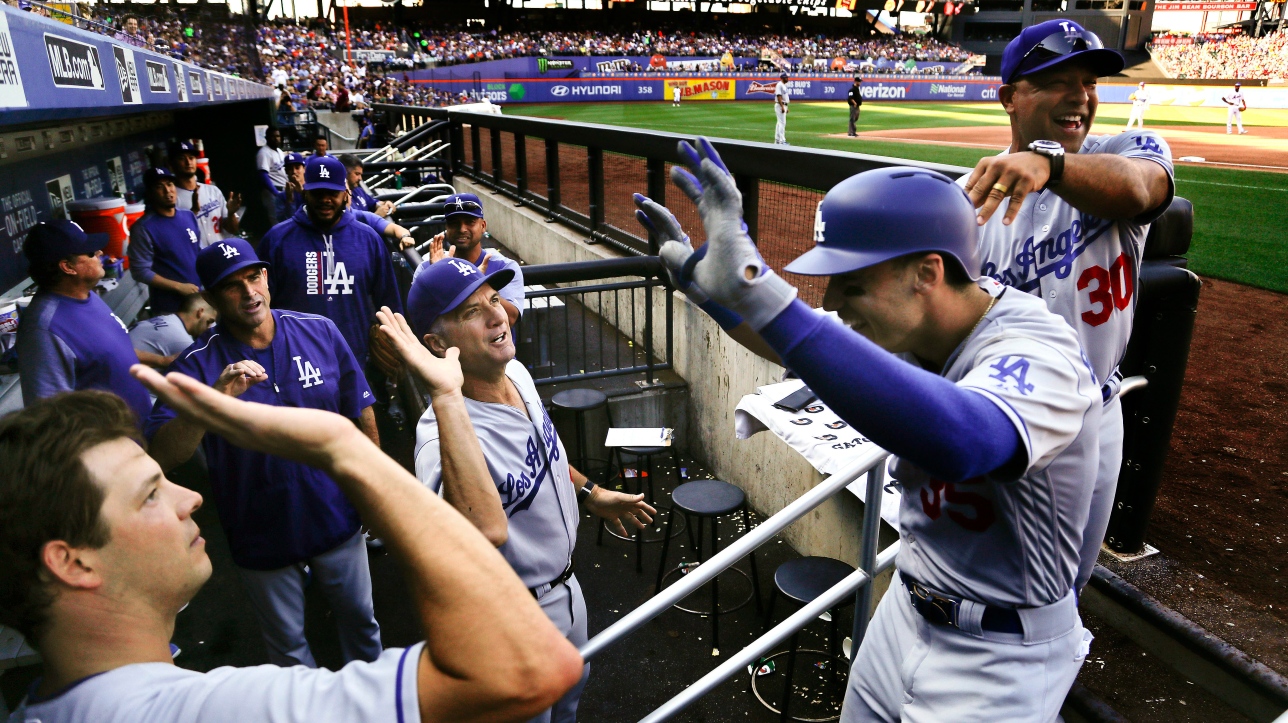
point(1000, 187)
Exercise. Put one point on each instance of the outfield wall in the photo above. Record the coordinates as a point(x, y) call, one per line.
point(1206, 96)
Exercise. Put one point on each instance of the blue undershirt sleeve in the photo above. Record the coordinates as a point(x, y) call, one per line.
point(46, 366)
point(141, 253)
point(268, 183)
point(952, 433)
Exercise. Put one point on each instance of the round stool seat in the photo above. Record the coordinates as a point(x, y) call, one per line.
point(643, 451)
point(708, 497)
point(579, 400)
point(806, 578)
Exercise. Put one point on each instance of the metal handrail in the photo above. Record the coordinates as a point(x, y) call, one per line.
point(725, 559)
point(858, 580)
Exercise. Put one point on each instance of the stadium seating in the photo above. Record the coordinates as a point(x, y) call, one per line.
point(1221, 55)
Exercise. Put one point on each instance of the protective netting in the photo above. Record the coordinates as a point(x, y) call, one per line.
point(623, 176)
point(786, 230)
point(574, 186)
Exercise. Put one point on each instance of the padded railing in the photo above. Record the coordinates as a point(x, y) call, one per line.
point(870, 564)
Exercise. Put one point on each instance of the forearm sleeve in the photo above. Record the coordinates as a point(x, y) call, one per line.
point(951, 432)
point(141, 253)
point(268, 183)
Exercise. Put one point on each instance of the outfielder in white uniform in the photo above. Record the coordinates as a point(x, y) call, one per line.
point(990, 407)
point(1068, 223)
point(675, 95)
point(1139, 104)
point(489, 649)
point(510, 476)
point(1235, 104)
point(782, 98)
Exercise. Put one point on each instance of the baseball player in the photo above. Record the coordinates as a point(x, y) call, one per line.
point(1065, 215)
point(164, 244)
point(292, 196)
point(77, 490)
point(463, 239)
point(168, 335)
point(1235, 104)
point(280, 516)
point(270, 162)
point(854, 97)
point(781, 100)
point(511, 476)
point(325, 262)
point(983, 396)
point(675, 96)
point(360, 199)
point(218, 217)
point(1139, 104)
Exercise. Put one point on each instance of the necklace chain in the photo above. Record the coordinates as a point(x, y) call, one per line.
point(973, 329)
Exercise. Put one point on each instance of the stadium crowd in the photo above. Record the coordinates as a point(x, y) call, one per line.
point(1220, 55)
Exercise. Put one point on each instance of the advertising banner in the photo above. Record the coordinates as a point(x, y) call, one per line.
point(1207, 96)
point(74, 64)
point(158, 77)
point(702, 88)
point(1204, 6)
point(127, 74)
point(12, 94)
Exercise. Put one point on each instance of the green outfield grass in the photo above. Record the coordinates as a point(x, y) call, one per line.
point(1240, 216)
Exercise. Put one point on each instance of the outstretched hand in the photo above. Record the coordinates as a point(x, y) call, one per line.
point(732, 272)
point(311, 436)
point(678, 257)
point(442, 374)
point(616, 508)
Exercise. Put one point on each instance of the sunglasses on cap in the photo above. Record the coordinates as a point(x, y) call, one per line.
point(1057, 45)
point(458, 206)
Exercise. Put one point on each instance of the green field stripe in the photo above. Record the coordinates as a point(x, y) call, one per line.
point(1231, 185)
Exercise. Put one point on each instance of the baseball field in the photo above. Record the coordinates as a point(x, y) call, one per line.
point(1240, 192)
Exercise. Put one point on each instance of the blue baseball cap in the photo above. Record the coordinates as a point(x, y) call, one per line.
point(153, 176)
point(293, 158)
point(218, 260)
point(324, 173)
point(463, 204)
point(56, 240)
point(179, 147)
point(1046, 45)
point(443, 286)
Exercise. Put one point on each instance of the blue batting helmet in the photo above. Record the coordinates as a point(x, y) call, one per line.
point(882, 214)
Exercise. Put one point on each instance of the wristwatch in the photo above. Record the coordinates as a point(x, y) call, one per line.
point(583, 494)
point(1054, 152)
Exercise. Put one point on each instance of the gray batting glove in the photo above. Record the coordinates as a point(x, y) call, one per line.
point(732, 272)
point(662, 223)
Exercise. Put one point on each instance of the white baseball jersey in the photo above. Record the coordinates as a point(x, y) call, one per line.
point(675, 94)
point(1141, 97)
point(1011, 540)
point(781, 95)
point(210, 209)
point(272, 160)
point(1084, 267)
point(528, 463)
point(382, 690)
point(1235, 99)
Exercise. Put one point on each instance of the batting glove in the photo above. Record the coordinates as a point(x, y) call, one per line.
point(659, 220)
point(732, 272)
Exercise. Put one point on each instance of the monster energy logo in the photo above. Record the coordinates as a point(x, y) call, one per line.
point(544, 64)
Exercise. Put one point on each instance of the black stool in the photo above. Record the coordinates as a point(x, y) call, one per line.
point(801, 581)
point(645, 473)
point(580, 401)
point(708, 499)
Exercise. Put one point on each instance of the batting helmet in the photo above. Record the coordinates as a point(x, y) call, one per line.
point(882, 214)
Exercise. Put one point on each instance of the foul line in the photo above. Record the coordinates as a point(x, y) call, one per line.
point(1231, 185)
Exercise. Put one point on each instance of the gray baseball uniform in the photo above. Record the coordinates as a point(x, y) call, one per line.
point(1010, 542)
point(163, 335)
point(1086, 269)
point(529, 465)
point(382, 690)
point(210, 208)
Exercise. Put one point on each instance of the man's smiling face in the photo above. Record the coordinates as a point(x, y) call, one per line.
point(1055, 105)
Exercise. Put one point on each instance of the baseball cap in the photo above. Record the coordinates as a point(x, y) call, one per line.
point(182, 147)
point(293, 158)
point(783, 76)
point(463, 204)
point(153, 176)
point(444, 286)
point(324, 173)
point(54, 240)
point(218, 260)
point(1046, 45)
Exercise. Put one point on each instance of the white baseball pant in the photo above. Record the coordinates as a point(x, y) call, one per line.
point(1233, 115)
point(1137, 116)
point(1102, 497)
point(780, 127)
point(344, 578)
point(911, 671)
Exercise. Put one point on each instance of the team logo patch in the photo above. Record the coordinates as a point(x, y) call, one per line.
point(323, 172)
point(310, 375)
point(465, 267)
point(1007, 371)
point(229, 251)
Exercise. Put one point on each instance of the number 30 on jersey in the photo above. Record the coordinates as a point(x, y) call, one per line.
point(1107, 289)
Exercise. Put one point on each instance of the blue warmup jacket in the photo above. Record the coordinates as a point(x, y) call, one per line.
point(344, 274)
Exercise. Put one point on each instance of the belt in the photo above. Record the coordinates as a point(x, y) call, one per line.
point(940, 609)
point(564, 576)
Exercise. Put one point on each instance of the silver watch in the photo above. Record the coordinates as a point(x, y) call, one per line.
point(1054, 152)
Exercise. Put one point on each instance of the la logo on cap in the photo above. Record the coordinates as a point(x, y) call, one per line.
point(460, 203)
point(462, 266)
point(229, 251)
point(323, 172)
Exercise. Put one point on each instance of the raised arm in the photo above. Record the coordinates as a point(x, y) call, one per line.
point(467, 483)
point(491, 654)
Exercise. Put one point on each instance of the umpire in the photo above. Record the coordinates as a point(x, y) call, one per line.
point(854, 97)
point(281, 516)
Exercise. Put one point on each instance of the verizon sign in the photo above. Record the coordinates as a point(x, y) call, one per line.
point(74, 64)
point(1204, 6)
